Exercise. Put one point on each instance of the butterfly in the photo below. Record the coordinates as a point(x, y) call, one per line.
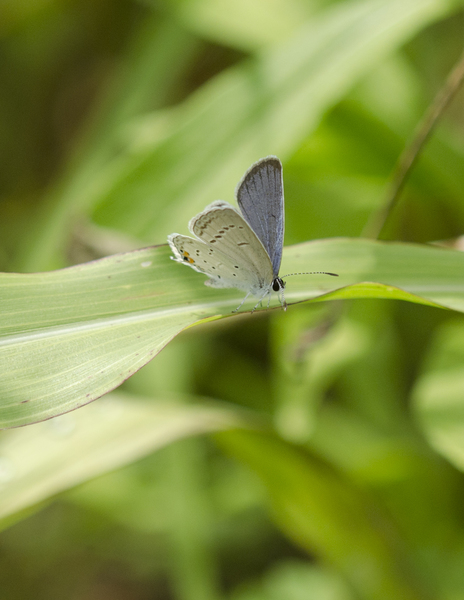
point(241, 248)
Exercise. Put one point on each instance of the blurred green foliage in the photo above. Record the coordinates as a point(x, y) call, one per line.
point(118, 121)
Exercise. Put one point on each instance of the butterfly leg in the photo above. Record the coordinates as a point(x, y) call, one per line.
point(242, 303)
point(260, 302)
point(256, 305)
point(268, 300)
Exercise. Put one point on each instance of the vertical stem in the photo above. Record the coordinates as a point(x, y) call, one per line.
point(376, 226)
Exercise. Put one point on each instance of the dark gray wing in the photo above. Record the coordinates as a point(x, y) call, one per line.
point(260, 196)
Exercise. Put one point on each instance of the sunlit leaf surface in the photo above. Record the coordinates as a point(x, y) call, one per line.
point(70, 336)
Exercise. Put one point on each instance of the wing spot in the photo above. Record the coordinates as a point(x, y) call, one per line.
point(231, 226)
point(235, 266)
point(212, 241)
point(187, 258)
point(218, 237)
point(243, 244)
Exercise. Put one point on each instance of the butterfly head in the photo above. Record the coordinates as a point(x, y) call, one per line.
point(278, 284)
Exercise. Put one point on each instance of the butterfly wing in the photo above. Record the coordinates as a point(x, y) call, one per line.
point(227, 250)
point(207, 260)
point(260, 196)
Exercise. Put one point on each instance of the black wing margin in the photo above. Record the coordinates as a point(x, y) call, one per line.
point(260, 196)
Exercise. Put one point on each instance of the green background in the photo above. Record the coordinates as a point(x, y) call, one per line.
point(315, 453)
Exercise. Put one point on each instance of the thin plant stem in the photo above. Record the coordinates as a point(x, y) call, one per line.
point(375, 227)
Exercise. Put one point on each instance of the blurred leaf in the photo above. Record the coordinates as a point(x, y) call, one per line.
point(344, 168)
point(70, 336)
point(296, 580)
point(269, 105)
point(244, 24)
point(47, 458)
point(368, 435)
point(148, 76)
point(302, 381)
point(439, 394)
point(365, 452)
point(327, 515)
point(263, 107)
point(16, 12)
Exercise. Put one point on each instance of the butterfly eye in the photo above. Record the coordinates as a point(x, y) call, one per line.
point(278, 284)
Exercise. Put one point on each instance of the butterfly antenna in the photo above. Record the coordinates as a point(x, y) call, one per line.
point(311, 273)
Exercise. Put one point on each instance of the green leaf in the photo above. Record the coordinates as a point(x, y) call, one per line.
point(296, 580)
point(439, 394)
point(171, 162)
point(265, 106)
point(247, 25)
point(70, 336)
point(155, 60)
point(47, 458)
point(329, 516)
